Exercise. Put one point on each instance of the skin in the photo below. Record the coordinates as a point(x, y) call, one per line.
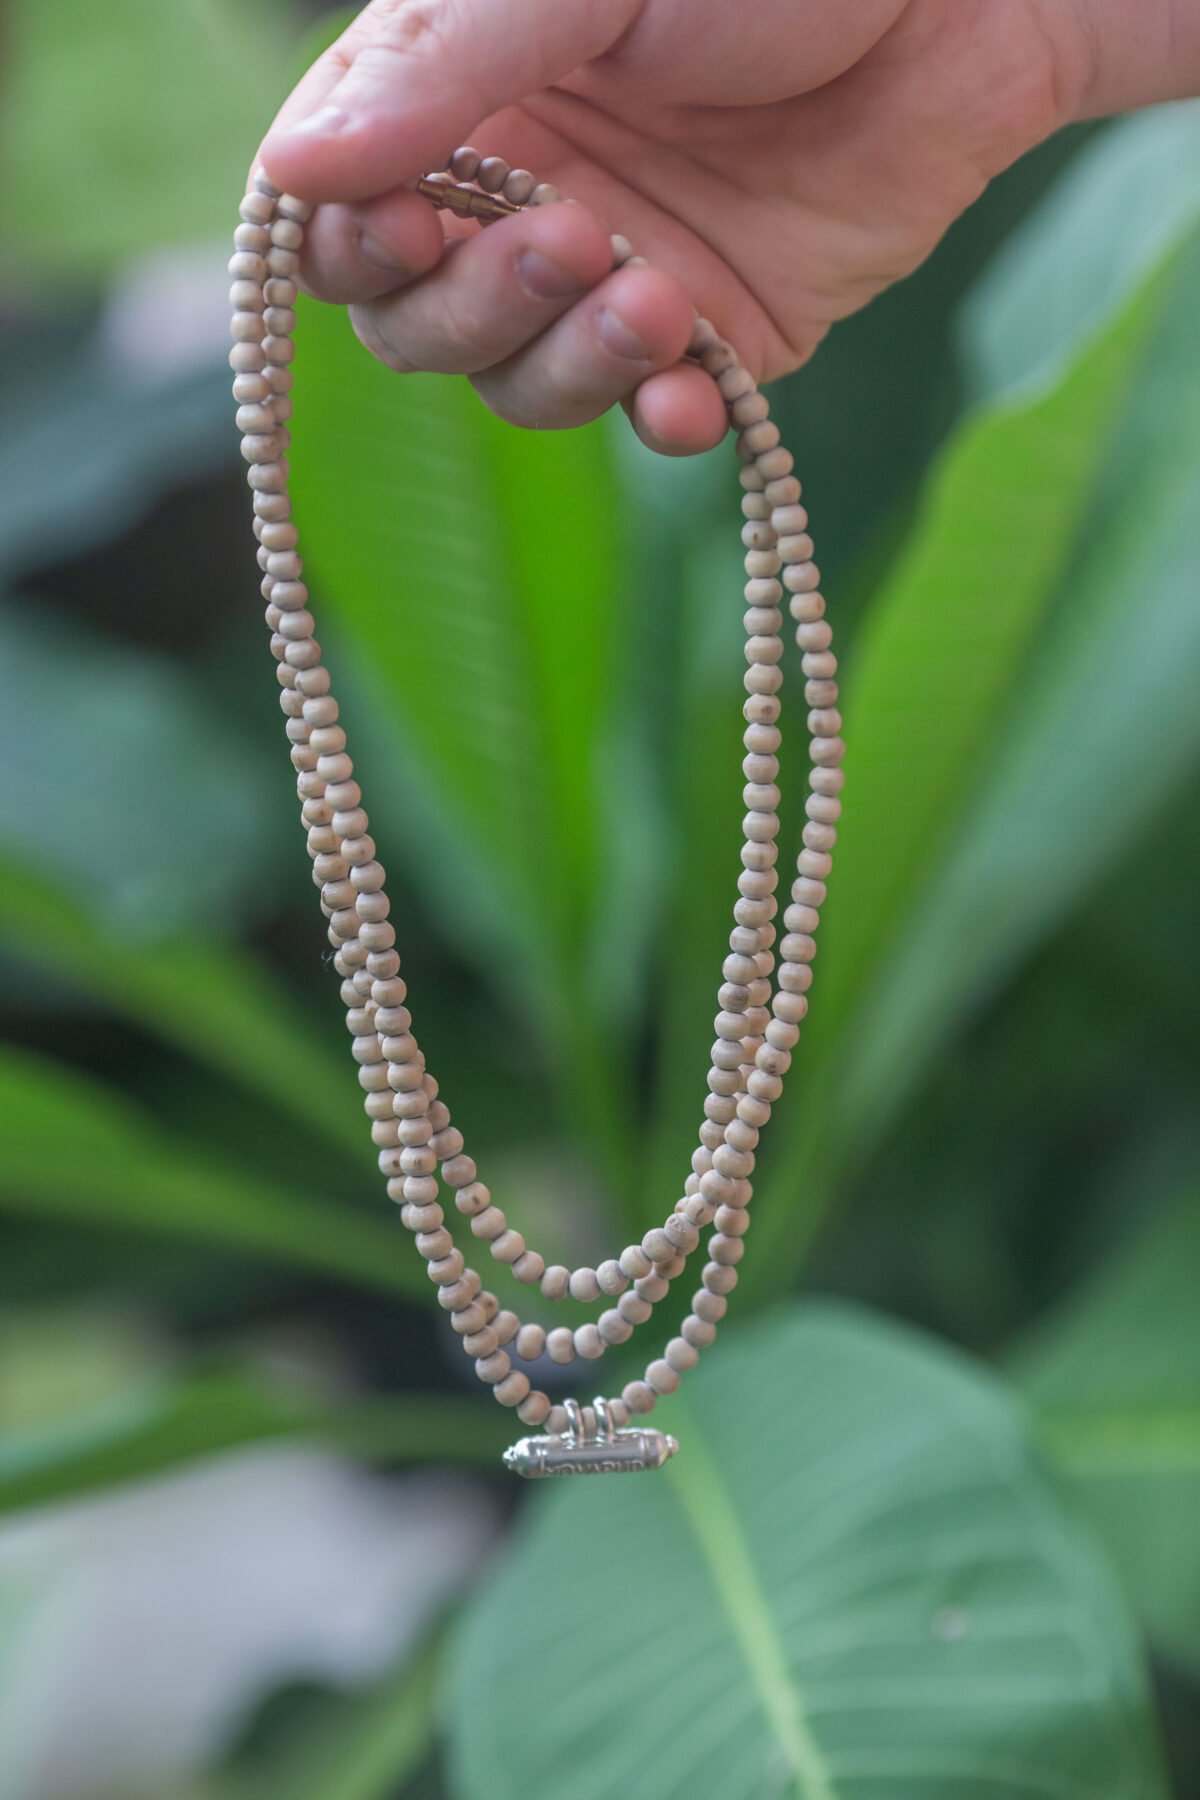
point(778, 162)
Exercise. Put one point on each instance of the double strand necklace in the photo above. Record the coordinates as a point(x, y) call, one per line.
point(765, 977)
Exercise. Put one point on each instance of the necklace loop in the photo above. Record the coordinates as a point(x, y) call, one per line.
point(763, 996)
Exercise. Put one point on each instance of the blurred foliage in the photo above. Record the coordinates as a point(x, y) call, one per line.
point(857, 1574)
point(105, 109)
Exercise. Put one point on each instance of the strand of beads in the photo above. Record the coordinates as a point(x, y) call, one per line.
point(757, 1026)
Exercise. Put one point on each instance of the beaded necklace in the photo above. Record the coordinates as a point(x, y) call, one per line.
point(758, 1022)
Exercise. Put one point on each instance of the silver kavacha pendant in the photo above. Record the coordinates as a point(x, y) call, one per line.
point(606, 1451)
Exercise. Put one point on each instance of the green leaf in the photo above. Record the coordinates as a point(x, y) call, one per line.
point(475, 565)
point(993, 693)
point(165, 106)
point(1115, 1380)
point(852, 1580)
point(212, 1000)
point(133, 789)
point(470, 572)
point(72, 1148)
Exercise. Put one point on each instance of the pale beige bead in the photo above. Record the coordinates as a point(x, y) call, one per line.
point(584, 1285)
point(556, 1420)
point(611, 1278)
point(529, 1267)
point(622, 249)
point(681, 1355)
point(726, 1250)
point(749, 409)
point(531, 1342)
point(697, 1332)
point(652, 1287)
point(507, 1325)
point(560, 1344)
point(287, 233)
point(489, 1224)
point(618, 1412)
point(544, 194)
point(699, 1210)
point(447, 1270)
point(481, 1343)
point(719, 1278)
point(638, 1396)
point(492, 174)
point(518, 185)
point(252, 237)
point(588, 1342)
point(493, 1368)
point(709, 1306)
point(468, 1319)
point(658, 1246)
point(662, 1377)
point(513, 1389)
point(634, 1309)
point(474, 1199)
point(534, 1408)
point(613, 1327)
point(681, 1232)
point(464, 164)
point(257, 209)
point(555, 1283)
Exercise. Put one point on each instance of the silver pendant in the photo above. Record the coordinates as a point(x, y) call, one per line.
point(607, 1451)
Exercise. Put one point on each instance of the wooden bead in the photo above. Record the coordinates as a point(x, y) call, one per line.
point(555, 1283)
point(529, 1267)
point(534, 1408)
point(638, 1396)
point(613, 1327)
point(635, 1308)
point(513, 1389)
point(584, 1285)
point(662, 1377)
point(531, 1342)
point(697, 1332)
point(588, 1342)
point(493, 1368)
point(560, 1344)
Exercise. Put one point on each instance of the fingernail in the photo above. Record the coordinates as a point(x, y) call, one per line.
point(378, 254)
point(545, 279)
point(324, 122)
point(619, 337)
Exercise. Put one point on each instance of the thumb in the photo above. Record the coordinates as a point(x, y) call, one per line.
point(410, 79)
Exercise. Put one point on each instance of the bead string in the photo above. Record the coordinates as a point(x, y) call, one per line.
point(758, 1022)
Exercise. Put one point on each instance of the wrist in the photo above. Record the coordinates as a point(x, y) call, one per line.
point(1112, 56)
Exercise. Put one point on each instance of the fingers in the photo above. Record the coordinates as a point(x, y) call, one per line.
point(411, 78)
point(491, 294)
point(679, 412)
point(358, 253)
point(632, 325)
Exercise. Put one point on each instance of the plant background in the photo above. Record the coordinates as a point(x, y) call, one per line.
point(934, 1528)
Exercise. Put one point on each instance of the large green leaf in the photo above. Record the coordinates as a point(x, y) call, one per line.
point(1062, 796)
point(473, 571)
point(72, 1148)
point(989, 712)
point(852, 1580)
point(213, 1000)
point(1115, 1379)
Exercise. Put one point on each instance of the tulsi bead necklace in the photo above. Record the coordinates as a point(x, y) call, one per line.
point(766, 977)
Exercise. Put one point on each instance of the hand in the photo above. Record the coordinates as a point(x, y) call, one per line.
point(777, 161)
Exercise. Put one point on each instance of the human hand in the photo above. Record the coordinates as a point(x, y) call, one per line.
point(778, 164)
